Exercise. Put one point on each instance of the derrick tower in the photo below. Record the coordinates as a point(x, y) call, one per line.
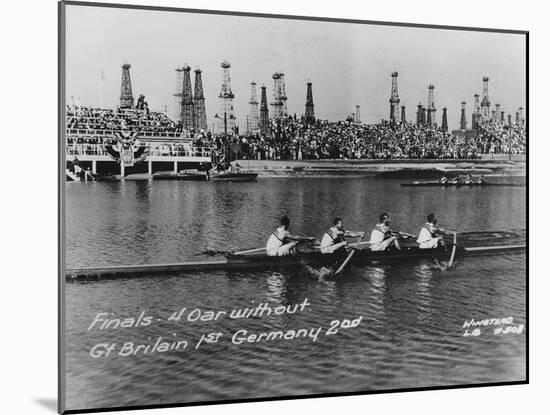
point(419, 110)
point(310, 113)
point(485, 103)
point(178, 94)
point(521, 117)
point(358, 114)
point(403, 117)
point(264, 114)
point(200, 108)
point(253, 114)
point(394, 99)
point(226, 98)
point(187, 105)
point(497, 113)
point(126, 97)
point(431, 105)
point(444, 124)
point(279, 95)
point(283, 95)
point(463, 123)
point(476, 114)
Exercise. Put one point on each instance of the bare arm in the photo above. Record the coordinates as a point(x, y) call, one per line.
point(353, 234)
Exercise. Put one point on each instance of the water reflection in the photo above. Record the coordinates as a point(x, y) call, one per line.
point(424, 273)
point(412, 313)
point(276, 287)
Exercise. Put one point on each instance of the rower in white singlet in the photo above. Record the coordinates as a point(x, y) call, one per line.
point(430, 236)
point(382, 236)
point(334, 239)
point(282, 242)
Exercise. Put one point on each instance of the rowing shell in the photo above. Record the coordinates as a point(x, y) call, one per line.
point(259, 260)
point(437, 183)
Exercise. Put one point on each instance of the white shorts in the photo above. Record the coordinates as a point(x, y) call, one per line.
point(332, 248)
point(382, 246)
point(283, 250)
point(429, 244)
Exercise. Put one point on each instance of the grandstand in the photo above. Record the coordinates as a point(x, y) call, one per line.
point(125, 141)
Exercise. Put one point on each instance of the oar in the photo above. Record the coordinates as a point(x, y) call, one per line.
point(250, 251)
point(408, 235)
point(452, 252)
point(341, 268)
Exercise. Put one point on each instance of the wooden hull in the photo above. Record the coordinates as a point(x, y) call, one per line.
point(260, 260)
point(438, 184)
point(234, 177)
point(172, 176)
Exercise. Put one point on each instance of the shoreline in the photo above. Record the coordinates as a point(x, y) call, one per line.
point(418, 168)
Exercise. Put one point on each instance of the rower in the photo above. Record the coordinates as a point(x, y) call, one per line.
point(382, 236)
point(282, 242)
point(454, 180)
point(444, 179)
point(469, 179)
point(481, 179)
point(430, 236)
point(334, 239)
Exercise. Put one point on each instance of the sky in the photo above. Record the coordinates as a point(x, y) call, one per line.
point(348, 64)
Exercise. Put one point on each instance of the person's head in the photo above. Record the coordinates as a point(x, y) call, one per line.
point(385, 218)
point(432, 219)
point(338, 223)
point(285, 221)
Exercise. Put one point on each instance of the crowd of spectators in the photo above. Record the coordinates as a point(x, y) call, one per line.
point(292, 138)
point(138, 119)
point(498, 137)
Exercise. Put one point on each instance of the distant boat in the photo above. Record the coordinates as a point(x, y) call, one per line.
point(234, 176)
point(180, 176)
point(459, 184)
point(105, 177)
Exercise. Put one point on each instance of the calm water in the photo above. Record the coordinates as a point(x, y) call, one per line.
point(411, 333)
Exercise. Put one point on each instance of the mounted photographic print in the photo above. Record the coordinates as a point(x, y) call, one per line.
point(259, 207)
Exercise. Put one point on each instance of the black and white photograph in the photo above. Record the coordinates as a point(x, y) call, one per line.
point(258, 207)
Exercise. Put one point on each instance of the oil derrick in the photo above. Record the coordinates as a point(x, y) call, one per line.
point(419, 114)
point(502, 117)
point(485, 103)
point(497, 113)
point(423, 115)
point(310, 113)
point(431, 105)
point(226, 99)
point(178, 94)
point(358, 114)
point(200, 108)
point(493, 116)
point(509, 120)
point(253, 114)
point(476, 114)
point(403, 117)
point(444, 124)
point(283, 95)
point(279, 96)
point(264, 114)
point(463, 123)
point(521, 118)
point(517, 118)
point(126, 97)
point(187, 105)
point(394, 99)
